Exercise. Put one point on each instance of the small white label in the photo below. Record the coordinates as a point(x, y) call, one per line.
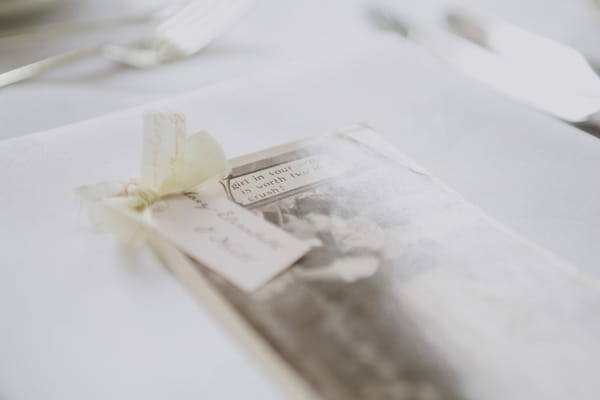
point(223, 236)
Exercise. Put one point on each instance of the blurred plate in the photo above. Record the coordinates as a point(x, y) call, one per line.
point(12, 8)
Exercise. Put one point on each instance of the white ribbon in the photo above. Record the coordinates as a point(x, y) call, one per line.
point(172, 163)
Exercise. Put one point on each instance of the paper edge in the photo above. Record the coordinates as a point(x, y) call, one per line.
point(188, 274)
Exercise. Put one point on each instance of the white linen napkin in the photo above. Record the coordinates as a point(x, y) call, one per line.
point(87, 319)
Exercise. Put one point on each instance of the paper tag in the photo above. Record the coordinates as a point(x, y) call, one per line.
point(225, 237)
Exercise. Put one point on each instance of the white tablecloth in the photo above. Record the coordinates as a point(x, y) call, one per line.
point(85, 318)
point(274, 33)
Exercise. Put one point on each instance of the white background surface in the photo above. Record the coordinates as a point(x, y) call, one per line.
point(274, 33)
point(84, 318)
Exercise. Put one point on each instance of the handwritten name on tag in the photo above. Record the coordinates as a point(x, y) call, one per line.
point(225, 237)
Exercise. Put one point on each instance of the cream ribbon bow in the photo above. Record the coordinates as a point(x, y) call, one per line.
point(171, 163)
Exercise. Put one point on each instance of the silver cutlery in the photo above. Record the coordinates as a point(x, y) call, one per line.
point(547, 75)
point(181, 35)
point(61, 29)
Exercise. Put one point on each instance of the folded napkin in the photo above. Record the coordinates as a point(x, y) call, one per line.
point(72, 298)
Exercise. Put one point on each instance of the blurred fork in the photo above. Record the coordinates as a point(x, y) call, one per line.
point(183, 34)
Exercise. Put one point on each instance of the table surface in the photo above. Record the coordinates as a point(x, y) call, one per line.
point(274, 33)
point(86, 318)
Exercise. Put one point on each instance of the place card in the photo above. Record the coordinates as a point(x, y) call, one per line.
point(225, 237)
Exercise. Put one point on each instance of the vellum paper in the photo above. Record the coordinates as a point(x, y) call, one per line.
point(408, 292)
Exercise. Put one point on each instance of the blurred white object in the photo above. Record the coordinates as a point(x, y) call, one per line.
point(59, 29)
point(182, 35)
point(540, 65)
point(11, 8)
point(547, 75)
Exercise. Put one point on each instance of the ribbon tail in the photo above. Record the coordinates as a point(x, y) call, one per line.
point(118, 215)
